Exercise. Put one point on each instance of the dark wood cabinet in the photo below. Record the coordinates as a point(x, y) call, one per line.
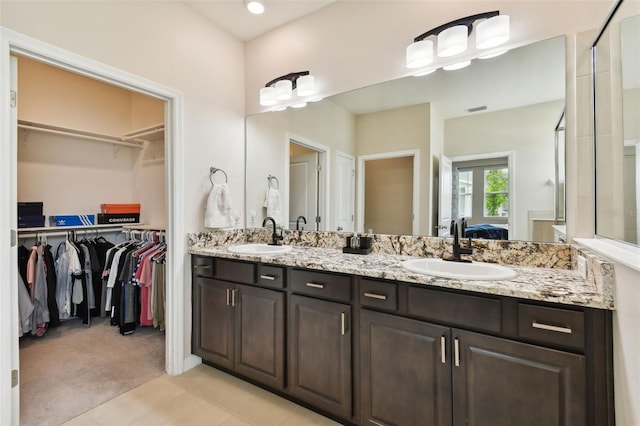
point(240, 327)
point(499, 382)
point(320, 370)
point(380, 352)
point(405, 371)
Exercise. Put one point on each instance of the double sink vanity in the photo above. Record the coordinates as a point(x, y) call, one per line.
point(386, 339)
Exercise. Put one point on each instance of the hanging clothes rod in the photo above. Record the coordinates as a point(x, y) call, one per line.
point(45, 128)
point(152, 130)
point(62, 232)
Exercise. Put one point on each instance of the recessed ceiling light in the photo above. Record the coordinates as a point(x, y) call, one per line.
point(254, 6)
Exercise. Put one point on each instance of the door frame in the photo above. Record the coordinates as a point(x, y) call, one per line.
point(511, 164)
point(360, 175)
point(352, 159)
point(12, 42)
point(325, 184)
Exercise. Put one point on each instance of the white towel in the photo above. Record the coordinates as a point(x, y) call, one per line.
point(218, 213)
point(274, 205)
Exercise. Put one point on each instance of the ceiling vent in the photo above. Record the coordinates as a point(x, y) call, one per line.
point(476, 109)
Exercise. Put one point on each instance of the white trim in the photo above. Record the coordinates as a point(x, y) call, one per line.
point(325, 162)
point(511, 164)
point(351, 158)
point(13, 42)
point(415, 153)
point(624, 253)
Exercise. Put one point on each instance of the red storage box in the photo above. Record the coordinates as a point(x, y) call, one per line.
point(119, 208)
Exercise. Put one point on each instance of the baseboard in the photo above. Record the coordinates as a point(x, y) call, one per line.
point(190, 362)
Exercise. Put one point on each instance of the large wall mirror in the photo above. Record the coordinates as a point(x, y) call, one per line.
point(406, 156)
point(616, 79)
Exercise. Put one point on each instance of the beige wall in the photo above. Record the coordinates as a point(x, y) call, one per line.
point(529, 133)
point(90, 173)
point(400, 129)
point(389, 195)
point(267, 144)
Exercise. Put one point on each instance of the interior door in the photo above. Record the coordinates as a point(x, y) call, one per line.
point(345, 185)
point(303, 188)
point(9, 356)
point(445, 195)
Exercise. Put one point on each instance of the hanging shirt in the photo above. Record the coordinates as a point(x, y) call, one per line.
point(67, 266)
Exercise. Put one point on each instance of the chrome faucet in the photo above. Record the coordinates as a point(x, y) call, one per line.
point(298, 222)
point(275, 238)
point(457, 249)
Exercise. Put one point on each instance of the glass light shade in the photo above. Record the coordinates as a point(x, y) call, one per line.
point(493, 54)
point(267, 96)
point(492, 32)
point(283, 90)
point(457, 65)
point(305, 85)
point(452, 41)
point(419, 54)
point(254, 6)
point(299, 105)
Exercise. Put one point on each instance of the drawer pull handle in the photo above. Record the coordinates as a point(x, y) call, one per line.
point(548, 327)
point(314, 285)
point(456, 351)
point(202, 266)
point(443, 351)
point(375, 296)
point(268, 277)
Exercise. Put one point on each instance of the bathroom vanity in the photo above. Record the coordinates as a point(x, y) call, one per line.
point(365, 341)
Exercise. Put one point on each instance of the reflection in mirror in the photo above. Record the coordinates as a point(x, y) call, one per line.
point(504, 107)
point(616, 72)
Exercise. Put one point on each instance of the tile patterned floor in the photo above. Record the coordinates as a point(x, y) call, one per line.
point(201, 396)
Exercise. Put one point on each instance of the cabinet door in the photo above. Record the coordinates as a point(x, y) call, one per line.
point(406, 371)
point(501, 382)
point(320, 354)
point(213, 322)
point(259, 316)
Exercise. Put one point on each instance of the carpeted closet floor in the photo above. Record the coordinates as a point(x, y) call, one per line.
point(75, 368)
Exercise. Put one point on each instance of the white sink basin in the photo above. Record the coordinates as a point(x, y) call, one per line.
point(258, 249)
point(459, 270)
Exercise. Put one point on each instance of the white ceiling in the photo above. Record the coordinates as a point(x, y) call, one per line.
point(234, 18)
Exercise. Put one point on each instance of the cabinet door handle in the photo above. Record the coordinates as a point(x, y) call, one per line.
point(456, 350)
point(233, 297)
point(443, 350)
point(228, 298)
point(314, 285)
point(548, 327)
point(268, 277)
point(375, 296)
point(343, 326)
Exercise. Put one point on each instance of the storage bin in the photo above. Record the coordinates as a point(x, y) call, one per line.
point(119, 208)
point(72, 220)
point(30, 208)
point(108, 219)
point(30, 221)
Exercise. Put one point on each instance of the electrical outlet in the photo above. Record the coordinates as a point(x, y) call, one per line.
point(582, 267)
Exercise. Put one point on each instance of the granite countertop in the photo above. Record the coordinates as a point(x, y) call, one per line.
point(544, 284)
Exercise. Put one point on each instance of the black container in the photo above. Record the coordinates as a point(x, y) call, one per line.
point(30, 209)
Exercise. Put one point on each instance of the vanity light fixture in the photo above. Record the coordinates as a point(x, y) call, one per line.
point(452, 38)
point(254, 6)
point(281, 89)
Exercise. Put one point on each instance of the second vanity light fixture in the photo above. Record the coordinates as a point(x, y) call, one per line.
point(452, 39)
point(281, 89)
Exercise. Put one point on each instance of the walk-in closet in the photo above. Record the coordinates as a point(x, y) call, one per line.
point(92, 293)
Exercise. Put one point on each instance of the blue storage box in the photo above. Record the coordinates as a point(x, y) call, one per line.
point(73, 220)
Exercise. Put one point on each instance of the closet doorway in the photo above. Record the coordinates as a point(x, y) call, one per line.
point(16, 44)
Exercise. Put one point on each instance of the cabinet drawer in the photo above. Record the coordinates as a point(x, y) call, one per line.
point(481, 313)
point(233, 270)
point(558, 326)
point(203, 266)
point(378, 294)
point(271, 276)
point(321, 284)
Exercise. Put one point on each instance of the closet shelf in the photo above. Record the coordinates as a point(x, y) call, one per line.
point(50, 229)
point(150, 133)
point(97, 137)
